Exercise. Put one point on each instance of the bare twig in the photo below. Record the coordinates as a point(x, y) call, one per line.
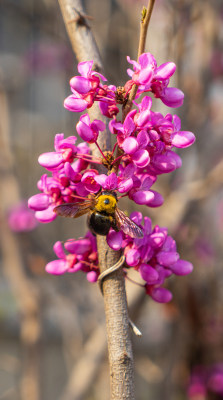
point(146, 15)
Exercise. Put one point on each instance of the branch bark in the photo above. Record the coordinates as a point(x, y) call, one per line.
point(117, 322)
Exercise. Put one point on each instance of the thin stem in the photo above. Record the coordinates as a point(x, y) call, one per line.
point(88, 159)
point(116, 159)
point(135, 283)
point(146, 15)
point(100, 151)
point(116, 144)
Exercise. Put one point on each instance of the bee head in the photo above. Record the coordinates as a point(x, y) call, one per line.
point(106, 202)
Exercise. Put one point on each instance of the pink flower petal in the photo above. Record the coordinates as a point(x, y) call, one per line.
point(75, 103)
point(141, 158)
point(80, 246)
point(167, 258)
point(148, 273)
point(182, 267)
point(161, 295)
point(165, 71)
point(130, 145)
point(111, 181)
point(163, 163)
point(183, 139)
point(157, 201)
point(38, 202)
point(56, 267)
point(84, 68)
point(50, 160)
point(172, 97)
point(80, 84)
point(114, 240)
point(142, 197)
point(92, 276)
point(101, 179)
point(47, 215)
point(132, 257)
point(59, 251)
point(85, 132)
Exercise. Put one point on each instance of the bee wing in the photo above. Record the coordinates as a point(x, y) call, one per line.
point(73, 210)
point(125, 224)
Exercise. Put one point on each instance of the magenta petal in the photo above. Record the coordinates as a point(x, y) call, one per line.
point(161, 295)
point(50, 160)
point(70, 173)
point(56, 267)
point(172, 97)
point(84, 67)
point(92, 276)
point(141, 158)
point(98, 125)
point(136, 216)
point(163, 163)
point(80, 84)
point(157, 201)
point(182, 267)
point(75, 268)
point(175, 158)
point(165, 71)
point(75, 104)
point(114, 240)
point(132, 257)
point(148, 273)
point(145, 76)
point(125, 186)
point(167, 258)
point(143, 139)
point(142, 197)
point(38, 202)
point(111, 181)
point(101, 179)
point(183, 139)
point(85, 132)
point(79, 246)
point(129, 125)
point(130, 145)
point(157, 239)
point(47, 215)
point(59, 251)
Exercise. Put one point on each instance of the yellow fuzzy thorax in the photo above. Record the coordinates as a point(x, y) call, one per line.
point(108, 208)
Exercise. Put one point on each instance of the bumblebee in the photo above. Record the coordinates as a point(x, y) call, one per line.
point(103, 214)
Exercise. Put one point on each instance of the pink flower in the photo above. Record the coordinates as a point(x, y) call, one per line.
point(81, 255)
point(21, 219)
point(89, 131)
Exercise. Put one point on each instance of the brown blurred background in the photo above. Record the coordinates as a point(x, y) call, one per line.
point(52, 337)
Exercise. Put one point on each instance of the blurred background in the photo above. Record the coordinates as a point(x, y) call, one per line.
point(52, 334)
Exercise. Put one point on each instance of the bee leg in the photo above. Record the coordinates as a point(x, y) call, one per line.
point(114, 226)
point(109, 271)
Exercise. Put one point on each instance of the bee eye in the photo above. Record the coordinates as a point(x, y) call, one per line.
point(106, 201)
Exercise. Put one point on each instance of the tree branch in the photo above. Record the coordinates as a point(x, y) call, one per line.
point(117, 322)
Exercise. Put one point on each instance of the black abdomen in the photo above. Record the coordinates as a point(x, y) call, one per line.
point(99, 224)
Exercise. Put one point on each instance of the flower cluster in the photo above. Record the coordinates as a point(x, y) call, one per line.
point(154, 256)
point(206, 380)
point(66, 164)
point(143, 150)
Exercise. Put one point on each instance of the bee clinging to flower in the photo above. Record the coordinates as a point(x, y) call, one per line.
point(103, 214)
